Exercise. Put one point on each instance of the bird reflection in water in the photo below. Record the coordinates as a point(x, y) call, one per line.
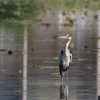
point(64, 92)
point(64, 61)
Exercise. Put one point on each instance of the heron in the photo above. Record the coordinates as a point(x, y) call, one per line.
point(65, 57)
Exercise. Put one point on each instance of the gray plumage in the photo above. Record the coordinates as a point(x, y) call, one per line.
point(65, 57)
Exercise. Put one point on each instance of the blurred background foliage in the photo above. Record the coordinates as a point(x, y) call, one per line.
point(26, 10)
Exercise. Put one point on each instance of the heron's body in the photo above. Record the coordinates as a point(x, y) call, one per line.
point(65, 58)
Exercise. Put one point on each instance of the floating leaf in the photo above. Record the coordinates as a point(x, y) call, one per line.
point(47, 24)
point(20, 71)
point(3, 49)
point(63, 13)
point(39, 20)
point(56, 74)
point(42, 86)
point(89, 67)
point(10, 52)
point(86, 6)
point(4, 70)
point(12, 75)
point(54, 37)
point(85, 13)
point(96, 16)
point(88, 20)
point(88, 51)
point(94, 37)
point(94, 50)
point(23, 53)
point(32, 50)
point(80, 59)
point(55, 58)
point(72, 45)
point(74, 11)
point(70, 20)
point(85, 47)
point(83, 18)
point(42, 67)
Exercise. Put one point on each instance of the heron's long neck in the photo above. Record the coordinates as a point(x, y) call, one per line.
point(67, 44)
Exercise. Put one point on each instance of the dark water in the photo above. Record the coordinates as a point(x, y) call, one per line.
point(43, 80)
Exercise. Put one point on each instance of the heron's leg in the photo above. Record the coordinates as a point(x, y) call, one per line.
point(61, 77)
point(61, 80)
point(67, 77)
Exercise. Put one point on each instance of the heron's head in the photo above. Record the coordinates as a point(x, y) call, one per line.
point(66, 37)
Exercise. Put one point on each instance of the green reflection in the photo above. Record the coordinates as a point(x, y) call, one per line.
point(26, 10)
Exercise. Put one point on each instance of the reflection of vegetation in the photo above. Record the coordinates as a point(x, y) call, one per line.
point(10, 10)
point(79, 4)
point(27, 9)
point(19, 10)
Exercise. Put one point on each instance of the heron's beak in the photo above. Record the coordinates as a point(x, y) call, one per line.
point(62, 37)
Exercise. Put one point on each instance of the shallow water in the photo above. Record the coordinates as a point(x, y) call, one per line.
point(43, 80)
